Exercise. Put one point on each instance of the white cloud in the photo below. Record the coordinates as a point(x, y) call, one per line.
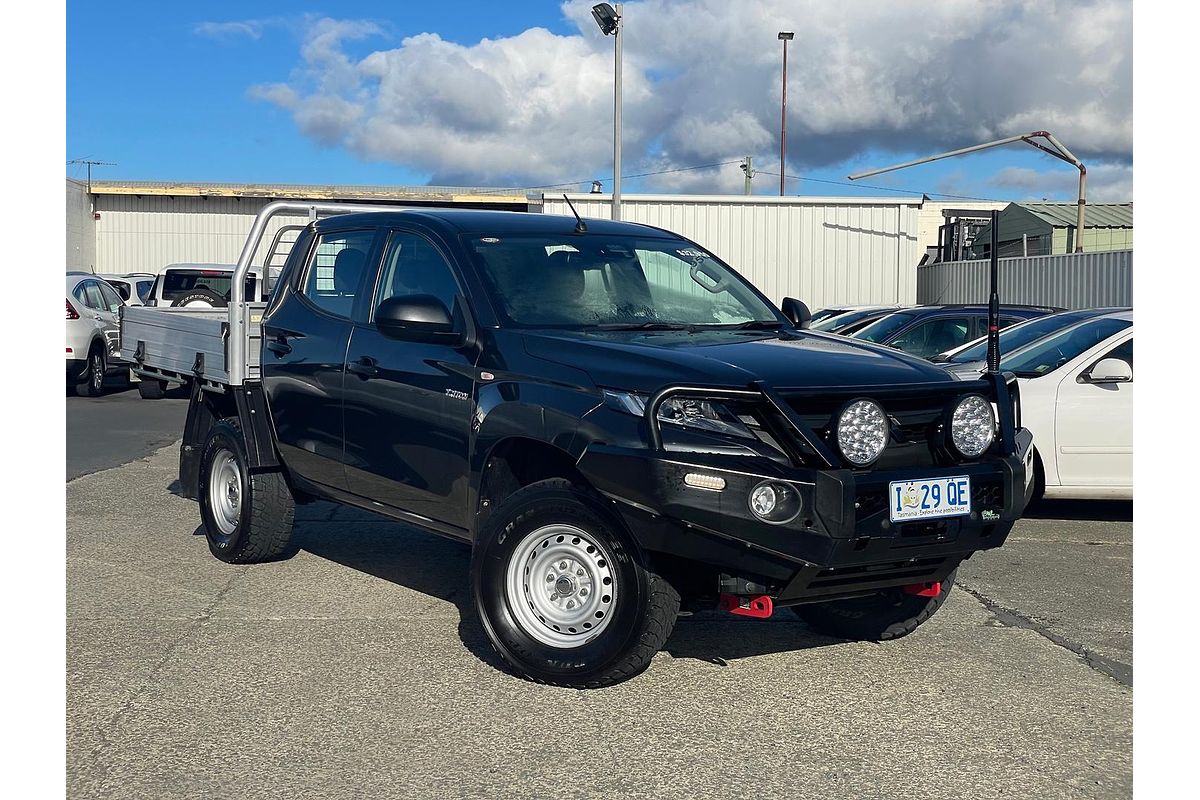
point(250, 28)
point(1107, 182)
point(702, 85)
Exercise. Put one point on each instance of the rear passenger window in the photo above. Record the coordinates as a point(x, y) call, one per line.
point(94, 298)
point(336, 269)
point(413, 265)
point(936, 336)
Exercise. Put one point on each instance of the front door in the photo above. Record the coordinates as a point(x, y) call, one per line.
point(1094, 426)
point(304, 353)
point(408, 405)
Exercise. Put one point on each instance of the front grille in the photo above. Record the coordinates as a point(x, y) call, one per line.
point(987, 495)
point(868, 503)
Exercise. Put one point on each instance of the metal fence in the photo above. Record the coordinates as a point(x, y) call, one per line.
point(1077, 280)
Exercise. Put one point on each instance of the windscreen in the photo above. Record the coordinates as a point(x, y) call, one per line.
point(179, 283)
point(881, 329)
point(614, 281)
point(1018, 336)
point(121, 288)
point(1048, 355)
point(842, 320)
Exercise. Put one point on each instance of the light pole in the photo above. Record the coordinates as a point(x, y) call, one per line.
point(609, 20)
point(785, 37)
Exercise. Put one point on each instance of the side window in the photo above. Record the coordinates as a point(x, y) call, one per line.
point(935, 336)
point(143, 289)
point(80, 293)
point(112, 300)
point(1004, 323)
point(121, 288)
point(1123, 351)
point(336, 269)
point(94, 298)
point(412, 265)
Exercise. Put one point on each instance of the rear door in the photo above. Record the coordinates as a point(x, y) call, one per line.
point(936, 335)
point(305, 334)
point(111, 318)
point(409, 404)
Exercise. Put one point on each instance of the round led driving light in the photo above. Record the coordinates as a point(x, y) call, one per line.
point(972, 425)
point(775, 502)
point(862, 432)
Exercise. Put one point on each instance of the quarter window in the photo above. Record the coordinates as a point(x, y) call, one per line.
point(414, 266)
point(335, 272)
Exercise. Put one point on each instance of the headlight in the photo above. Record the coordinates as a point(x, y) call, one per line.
point(862, 432)
point(686, 412)
point(972, 425)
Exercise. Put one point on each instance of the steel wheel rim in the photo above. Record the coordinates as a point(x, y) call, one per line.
point(97, 376)
point(560, 586)
point(225, 491)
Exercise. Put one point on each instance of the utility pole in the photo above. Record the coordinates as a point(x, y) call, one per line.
point(748, 168)
point(90, 164)
point(611, 24)
point(785, 37)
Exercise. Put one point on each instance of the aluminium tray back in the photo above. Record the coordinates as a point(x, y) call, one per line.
point(168, 340)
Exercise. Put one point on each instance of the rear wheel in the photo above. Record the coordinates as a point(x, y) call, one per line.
point(564, 594)
point(152, 388)
point(885, 615)
point(94, 377)
point(247, 516)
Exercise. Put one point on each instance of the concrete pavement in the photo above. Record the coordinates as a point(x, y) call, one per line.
point(356, 669)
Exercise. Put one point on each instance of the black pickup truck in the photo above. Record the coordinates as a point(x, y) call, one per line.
point(615, 420)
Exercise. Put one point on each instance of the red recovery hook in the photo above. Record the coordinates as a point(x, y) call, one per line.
point(924, 589)
point(759, 607)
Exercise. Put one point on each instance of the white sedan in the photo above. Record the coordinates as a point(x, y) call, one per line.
point(1077, 399)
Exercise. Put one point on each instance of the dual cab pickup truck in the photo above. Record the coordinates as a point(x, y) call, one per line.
point(615, 420)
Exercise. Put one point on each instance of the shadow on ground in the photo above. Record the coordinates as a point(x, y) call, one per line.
point(440, 568)
point(1082, 510)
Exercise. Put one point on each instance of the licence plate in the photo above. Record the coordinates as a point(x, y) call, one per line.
point(929, 497)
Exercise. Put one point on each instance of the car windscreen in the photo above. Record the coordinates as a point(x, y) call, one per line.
point(121, 287)
point(1018, 336)
point(825, 313)
point(1047, 355)
point(881, 329)
point(179, 283)
point(143, 288)
point(584, 281)
point(841, 321)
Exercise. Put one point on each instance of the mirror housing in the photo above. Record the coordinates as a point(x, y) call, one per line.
point(416, 318)
point(1109, 370)
point(797, 312)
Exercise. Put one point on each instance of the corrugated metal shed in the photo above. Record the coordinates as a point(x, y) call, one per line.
point(1097, 215)
point(1074, 280)
point(823, 250)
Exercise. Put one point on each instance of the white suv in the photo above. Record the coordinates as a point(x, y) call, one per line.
point(93, 331)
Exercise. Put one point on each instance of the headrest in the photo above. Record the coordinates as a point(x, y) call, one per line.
point(347, 269)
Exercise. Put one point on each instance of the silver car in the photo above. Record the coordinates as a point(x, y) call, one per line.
point(92, 332)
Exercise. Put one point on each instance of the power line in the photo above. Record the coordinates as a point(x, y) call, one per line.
point(637, 175)
point(884, 188)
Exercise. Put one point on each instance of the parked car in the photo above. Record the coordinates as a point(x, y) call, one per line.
point(93, 336)
point(1077, 398)
point(928, 330)
point(202, 286)
point(973, 355)
point(134, 287)
point(615, 419)
point(849, 321)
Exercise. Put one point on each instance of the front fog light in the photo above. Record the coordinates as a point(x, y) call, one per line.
point(972, 425)
point(774, 501)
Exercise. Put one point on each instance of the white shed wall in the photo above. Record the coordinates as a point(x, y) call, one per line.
point(824, 251)
point(81, 230)
point(144, 234)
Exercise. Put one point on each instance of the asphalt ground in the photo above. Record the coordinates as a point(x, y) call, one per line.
point(356, 669)
point(119, 426)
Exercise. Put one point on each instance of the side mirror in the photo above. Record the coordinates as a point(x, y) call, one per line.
point(796, 311)
point(1109, 370)
point(415, 318)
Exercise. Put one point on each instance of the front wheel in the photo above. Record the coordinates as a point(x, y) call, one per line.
point(884, 615)
point(247, 516)
point(565, 596)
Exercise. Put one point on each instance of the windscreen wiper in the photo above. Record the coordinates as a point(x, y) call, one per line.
point(649, 325)
point(759, 325)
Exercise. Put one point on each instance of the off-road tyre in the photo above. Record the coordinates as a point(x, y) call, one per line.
point(152, 388)
point(93, 376)
point(880, 617)
point(643, 605)
point(259, 525)
point(197, 296)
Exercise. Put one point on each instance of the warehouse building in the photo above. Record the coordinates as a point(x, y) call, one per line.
point(1045, 229)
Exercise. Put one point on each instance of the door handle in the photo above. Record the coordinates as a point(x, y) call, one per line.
point(279, 346)
point(365, 367)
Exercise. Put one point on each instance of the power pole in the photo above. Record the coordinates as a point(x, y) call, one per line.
point(785, 37)
point(748, 168)
point(90, 163)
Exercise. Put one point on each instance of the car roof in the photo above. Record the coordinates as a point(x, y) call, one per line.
point(465, 220)
point(76, 278)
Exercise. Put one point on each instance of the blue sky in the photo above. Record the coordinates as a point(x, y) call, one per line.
point(219, 92)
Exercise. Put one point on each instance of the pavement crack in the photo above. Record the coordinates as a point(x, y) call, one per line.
point(1118, 671)
point(198, 622)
